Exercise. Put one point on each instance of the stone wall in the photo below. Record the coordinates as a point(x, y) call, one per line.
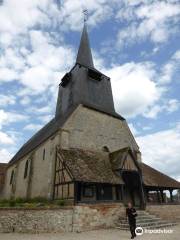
point(93, 130)
point(39, 181)
point(167, 211)
point(89, 217)
point(66, 219)
point(35, 220)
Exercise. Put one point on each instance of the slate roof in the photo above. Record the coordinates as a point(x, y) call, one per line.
point(44, 133)
point(84, 56)
point(88, 166)
point(155, 178)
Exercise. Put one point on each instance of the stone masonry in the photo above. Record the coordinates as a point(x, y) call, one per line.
point(65, 219)
point(168, 212)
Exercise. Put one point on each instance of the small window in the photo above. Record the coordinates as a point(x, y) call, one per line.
point(12, 177)
point(44, 154)
point(105, 149)
point(65, 80)
point(88, 191)
point(26, 169)
point(94, 75)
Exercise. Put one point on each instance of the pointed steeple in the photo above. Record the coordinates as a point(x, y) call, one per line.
point(84, 84)
point(84, 56)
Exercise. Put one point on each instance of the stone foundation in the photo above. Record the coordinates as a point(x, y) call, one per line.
point(168, 212)
point(67, 219)
point(89, 217)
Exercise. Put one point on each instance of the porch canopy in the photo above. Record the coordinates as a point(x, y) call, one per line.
point(155, 180)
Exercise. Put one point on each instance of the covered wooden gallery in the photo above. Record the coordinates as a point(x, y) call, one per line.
point(83, 176)
point(157, 186)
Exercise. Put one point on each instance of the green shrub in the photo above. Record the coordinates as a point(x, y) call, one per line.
point(37, 200)
point(60, 202)
point(20, 200)
point(29, 205)
point(12, 203)
point(4, 201)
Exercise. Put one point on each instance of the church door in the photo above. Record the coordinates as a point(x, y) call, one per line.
point(133, 187)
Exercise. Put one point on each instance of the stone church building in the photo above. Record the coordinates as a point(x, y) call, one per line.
point(86, 153)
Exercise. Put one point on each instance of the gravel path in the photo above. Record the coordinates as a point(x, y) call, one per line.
point(111, 234)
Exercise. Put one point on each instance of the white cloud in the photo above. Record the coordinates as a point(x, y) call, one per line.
point(12, 59)
point(17, 17)
point(5, 138)
point(153, 111)
point(176, 55)
point(155, 20)
point(169, 106)
point(5, 155)
point(33, 127)
point(7, 74)
point(139, 88)
point(45, 118)
point(25, 100)
point(37, 78)
point(98, 11)
point(9, 117)
point(172, 105)
point(133, 87)
point(7, 100)
point(133, 129)
point(161, 150)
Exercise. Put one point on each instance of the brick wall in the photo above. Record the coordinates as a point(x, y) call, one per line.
point(66, 219)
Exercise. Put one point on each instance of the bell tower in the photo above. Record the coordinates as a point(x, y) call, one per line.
point(84, 84)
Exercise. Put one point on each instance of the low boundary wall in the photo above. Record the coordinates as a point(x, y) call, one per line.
point(167, 211)
point(66, 219)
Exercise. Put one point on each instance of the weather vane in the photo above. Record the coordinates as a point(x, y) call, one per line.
point(85, 12)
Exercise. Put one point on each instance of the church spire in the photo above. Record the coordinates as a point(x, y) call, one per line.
point(84, 56)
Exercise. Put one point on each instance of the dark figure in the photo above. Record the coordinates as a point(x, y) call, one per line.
point(131, 214)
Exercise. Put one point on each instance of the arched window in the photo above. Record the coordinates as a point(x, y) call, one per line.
point(44, 154)
point(12, 177)
point(105, 149)
point(26, 169)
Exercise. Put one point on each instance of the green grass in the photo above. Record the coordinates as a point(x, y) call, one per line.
point(31, 203)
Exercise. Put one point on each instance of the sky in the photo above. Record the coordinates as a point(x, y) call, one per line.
point(136, 43)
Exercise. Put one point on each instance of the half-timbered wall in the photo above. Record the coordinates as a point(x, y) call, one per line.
point(63, 185)
point(129, 163)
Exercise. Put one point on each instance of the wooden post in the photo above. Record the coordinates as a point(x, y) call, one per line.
point(171, 195)
point(162, 195)
point(158, 197)
point(147, 195)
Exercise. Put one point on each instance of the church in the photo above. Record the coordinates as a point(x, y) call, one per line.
point(86, 153)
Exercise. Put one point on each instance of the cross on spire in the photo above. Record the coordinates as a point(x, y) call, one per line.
point(84, 56)
point(85, 12)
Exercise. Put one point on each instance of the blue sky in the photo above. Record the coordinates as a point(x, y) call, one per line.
point(136, 43)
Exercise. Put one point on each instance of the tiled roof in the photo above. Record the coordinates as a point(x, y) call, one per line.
point(152, 177)
point(90, 166)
